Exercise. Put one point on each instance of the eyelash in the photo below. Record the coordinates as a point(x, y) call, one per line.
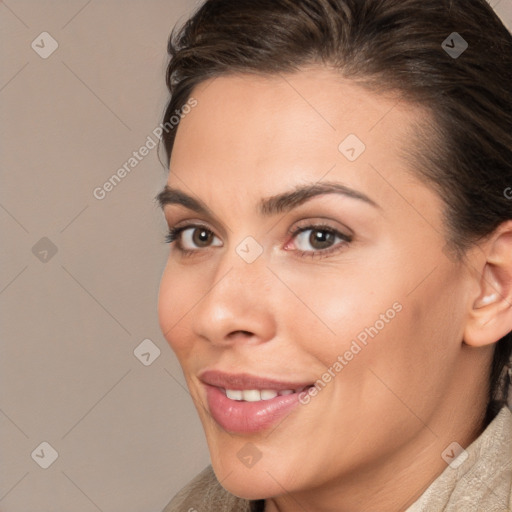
point(174, 235)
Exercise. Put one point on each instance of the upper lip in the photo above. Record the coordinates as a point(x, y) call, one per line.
point(247, 381)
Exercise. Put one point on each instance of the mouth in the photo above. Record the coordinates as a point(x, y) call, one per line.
point(243, 403)
point(256, 395)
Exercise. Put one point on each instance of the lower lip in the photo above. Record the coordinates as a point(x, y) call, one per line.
point(247, 417)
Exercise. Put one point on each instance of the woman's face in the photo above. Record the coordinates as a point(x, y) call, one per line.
point(363, 301)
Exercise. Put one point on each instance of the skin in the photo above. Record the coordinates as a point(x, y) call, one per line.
point(372, 439)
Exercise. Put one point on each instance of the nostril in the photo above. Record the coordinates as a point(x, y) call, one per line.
point(234, 333)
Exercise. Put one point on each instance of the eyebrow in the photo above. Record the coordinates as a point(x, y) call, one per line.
point(268, 206)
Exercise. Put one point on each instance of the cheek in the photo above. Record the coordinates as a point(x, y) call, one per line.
point(379, 325)
point(174, 302)
point(412, 357)
point(338, 309)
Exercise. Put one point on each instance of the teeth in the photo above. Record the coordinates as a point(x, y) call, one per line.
point(251, 395)
point(255, 395)
point(234, 394)
point(267, 394)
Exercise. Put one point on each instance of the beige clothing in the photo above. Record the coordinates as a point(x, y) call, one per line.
point(481, 483)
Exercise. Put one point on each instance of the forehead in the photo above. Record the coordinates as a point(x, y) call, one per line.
point(290, 108)
point(267, 133)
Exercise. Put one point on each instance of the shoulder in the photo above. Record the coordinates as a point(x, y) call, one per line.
point(203, 494)
point(482, 477)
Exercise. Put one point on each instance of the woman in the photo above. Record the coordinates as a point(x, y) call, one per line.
point(339, 284)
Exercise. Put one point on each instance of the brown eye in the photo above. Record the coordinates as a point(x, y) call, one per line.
point(191, 238)
point(319, 240)
point(201, 237)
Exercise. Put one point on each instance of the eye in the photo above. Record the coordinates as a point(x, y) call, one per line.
point(321, 238)
point(190, 238)
point(193, 238)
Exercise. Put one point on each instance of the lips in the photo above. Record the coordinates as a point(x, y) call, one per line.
point(247, 381)
point(244, 403)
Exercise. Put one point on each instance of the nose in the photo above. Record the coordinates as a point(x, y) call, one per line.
point(237, 306)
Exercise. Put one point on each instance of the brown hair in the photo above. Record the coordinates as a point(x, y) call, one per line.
point(395, 45)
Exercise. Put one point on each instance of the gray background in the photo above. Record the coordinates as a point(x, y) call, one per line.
point(126, 433)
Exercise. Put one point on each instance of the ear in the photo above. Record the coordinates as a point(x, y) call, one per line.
point(490, 317)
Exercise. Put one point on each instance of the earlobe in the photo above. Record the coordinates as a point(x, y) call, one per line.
point(490, 315)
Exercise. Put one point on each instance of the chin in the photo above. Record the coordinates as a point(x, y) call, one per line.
point(251, 483)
